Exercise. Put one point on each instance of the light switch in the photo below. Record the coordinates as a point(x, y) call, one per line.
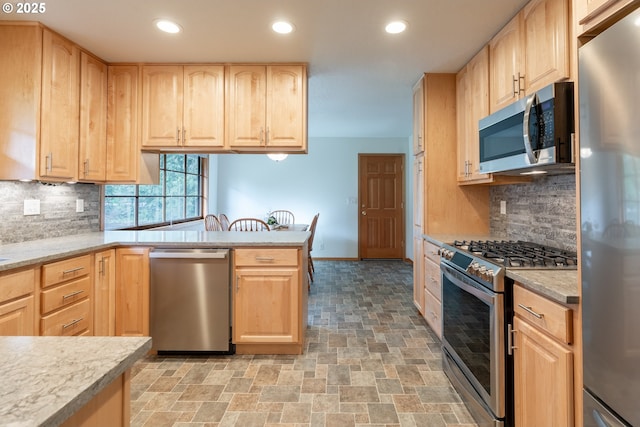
point(79, 205)
point(503, 207)
point(32, 207)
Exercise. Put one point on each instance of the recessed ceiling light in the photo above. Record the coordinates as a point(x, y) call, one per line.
point(168, 26)
point(282, 27)
point(395, 27)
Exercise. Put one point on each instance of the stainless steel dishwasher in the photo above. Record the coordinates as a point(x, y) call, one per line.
point(190, 300)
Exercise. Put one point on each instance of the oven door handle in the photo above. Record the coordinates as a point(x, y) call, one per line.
point(486, 295)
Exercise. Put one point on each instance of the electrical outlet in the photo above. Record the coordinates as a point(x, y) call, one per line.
point(32, 207)
point(503, 207)
point(79, 205)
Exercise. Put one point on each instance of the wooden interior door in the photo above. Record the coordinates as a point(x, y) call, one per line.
point(381, 206)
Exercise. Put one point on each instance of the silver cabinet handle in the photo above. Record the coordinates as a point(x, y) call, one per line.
point(86, 167)
point(73, 270)
point(184, 136)
point(72, 294)
point(237, 284)
point(530, 311)
point(510, 346)
point(72, 323)
point(178, 136)
point(265, 258)
point(49, 162)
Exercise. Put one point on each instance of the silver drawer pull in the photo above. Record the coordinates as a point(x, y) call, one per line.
point(72, 323)
point(73, 270)
point(264, 258)
point(530, 311)
point(72, 294)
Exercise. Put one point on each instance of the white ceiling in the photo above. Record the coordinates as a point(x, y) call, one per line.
point(360, 78)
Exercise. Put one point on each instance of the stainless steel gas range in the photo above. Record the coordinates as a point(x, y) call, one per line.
point(477, 306)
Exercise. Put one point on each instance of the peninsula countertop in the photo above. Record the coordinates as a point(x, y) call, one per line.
point(45, 380)
point(18, 255)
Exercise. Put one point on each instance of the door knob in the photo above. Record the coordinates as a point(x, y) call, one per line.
point(364, 212)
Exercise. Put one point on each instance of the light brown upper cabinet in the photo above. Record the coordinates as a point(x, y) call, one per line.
point(93, 119)
point(183, 106)
point(472, 92)
point(125, 161)
point(267, 108)
point(530, 52)
point(60, 107)
point(418, 118)
point(595, 15)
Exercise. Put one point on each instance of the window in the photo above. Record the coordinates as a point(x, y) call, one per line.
point(177, 198)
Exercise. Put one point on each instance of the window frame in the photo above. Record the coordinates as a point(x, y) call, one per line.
point(202, 186)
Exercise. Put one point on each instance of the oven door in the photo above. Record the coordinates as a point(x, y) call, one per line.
point(473, 336)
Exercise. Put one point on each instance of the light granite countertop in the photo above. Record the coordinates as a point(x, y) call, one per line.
point(45, 380)
point(558, 285)
point(46, 250)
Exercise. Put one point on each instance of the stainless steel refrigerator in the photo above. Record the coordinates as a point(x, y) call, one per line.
point(609, 92)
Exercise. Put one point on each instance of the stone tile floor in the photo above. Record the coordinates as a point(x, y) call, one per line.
point(370, 360)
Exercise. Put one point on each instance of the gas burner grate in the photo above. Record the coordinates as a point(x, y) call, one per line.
point(519, 254)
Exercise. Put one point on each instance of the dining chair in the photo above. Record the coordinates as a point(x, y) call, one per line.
point(224, 221)
point(249, 224)
point(312, 229)
point(212, 223)
point(283, 216)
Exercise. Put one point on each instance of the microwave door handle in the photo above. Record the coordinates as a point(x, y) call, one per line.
point(531, 101)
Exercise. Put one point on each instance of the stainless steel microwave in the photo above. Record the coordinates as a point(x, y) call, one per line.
point(533, 135)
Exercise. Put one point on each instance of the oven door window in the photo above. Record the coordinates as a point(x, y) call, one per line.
point(467, 328)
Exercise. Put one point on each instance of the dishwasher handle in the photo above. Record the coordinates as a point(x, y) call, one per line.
point(189, 255)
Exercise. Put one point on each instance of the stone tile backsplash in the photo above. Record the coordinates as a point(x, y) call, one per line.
point(543, 211)
point(58, 215)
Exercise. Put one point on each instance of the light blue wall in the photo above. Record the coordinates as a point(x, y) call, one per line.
point(325, 181)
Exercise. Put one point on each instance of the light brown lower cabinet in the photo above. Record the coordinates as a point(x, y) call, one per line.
point(17, 303)
point(432, 288)
point(269, 300)
point(104, 291)
point(132, 292)
point(110, 407)
point(543, 362)
point(66, 297)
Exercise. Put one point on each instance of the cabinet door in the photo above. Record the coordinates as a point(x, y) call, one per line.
point(246, 107)
point(17, 317)
point(60, 108)
point(543, 379)
point(93, 119)
point(286, 106)
point(418, 117)
point(162, 101)
point(123, 150)
point(418, 192)
point(546, 29)
point(266, 306)
point(104, 319)
point(203, 106)
point(418, 272)
point(504, 51)
point(132, 292)
point(463, 118)
point(477, 108)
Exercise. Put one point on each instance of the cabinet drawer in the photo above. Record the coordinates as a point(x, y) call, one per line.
point(68, 269)
point(15, 285)
point(432, 277)
point(68, 321)
point(545, 314)
point(262, 257)
point(433, 313)
point(54, 298)
point(431, 252)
